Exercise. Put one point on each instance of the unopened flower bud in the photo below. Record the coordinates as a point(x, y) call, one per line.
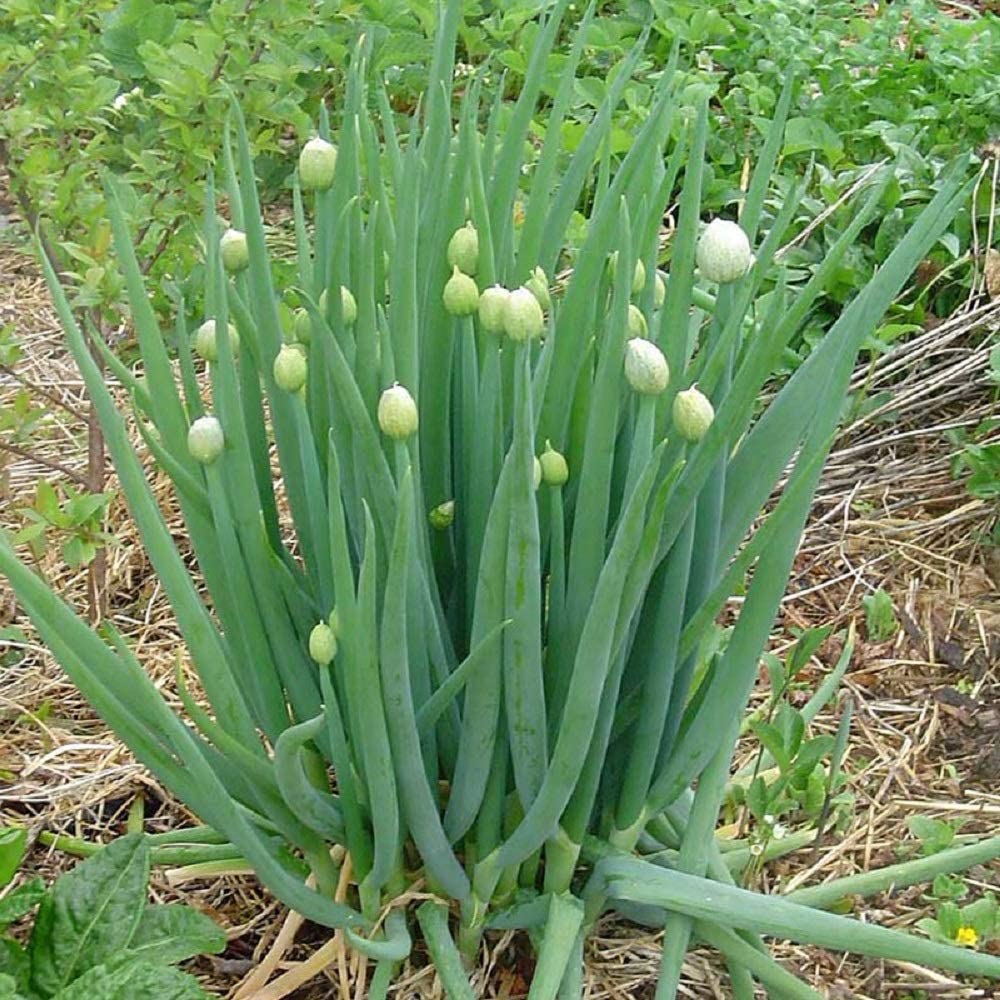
point(492, 306)
point(233, 247)
point(555, 471)
point(206, 344)
point(724, 252)
point(461, 296)
point(303, 326)
point(636, 321)
point(397, 413)
point(638, 275)
point(463, 249)
point(290, 369)
point(538, 285)
point(206, 440)
point(523, 318)
point(348, 306)
point(693, 414)
point(646, 367)
point(659, 290)
point(536, 472)
point(317, 163)
point(322, 644)
point(443, 515)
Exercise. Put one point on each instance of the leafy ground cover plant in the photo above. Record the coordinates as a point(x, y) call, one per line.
point(468, 635)
point(95, 936)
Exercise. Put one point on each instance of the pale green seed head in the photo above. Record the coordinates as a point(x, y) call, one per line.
point(638, 275)
point(322, 644)
point(492, 307)
point(555, 471)
point(206, 344)
point(723, 252)
point(206, 440)
point(461, 296)
point(234, 251)
point(290, 368)
point(463, 249)
point(317, 165)
point(693, 414)
point(397, 413)
point(645, 367)
point(523, 318)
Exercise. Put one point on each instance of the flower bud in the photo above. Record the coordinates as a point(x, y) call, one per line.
point(205, 440)
point(659, 290)
point(536, 472)
point(233, 247)
point(397, 413)
point(693, 414)
point(555, 471)
point(523, 318)
point(443, 515)
point(322, 644)
point(636, 322)
point(646, 367)
point(638, 275)
point(348, 306)
point(290, 369)
point(492, 307)
point(723, 252)
point(463, 249)
point(317, 163)
point(538, 285)
point(303, 326)
point(461, 296)
point(206, 345)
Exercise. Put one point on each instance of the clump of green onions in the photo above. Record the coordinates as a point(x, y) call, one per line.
point(462, 639)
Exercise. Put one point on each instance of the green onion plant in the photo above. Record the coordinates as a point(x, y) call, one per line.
point(457, 634)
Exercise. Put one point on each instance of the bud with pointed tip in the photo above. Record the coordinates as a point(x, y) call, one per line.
point(538, 285)
point(659, 290)
point(317, 164)
point(303, 326)
point(322, 644)
point(443, 515)
point(461, 296)
point(646, 367)
point(348, 306)
point(636, 321)
point(234, 251)
point(555, 471)
point(206, 345)
point(492, 305)
point(693, 414)
point(523, 318)
point(463, 249)
point(723, 252)
point(290, 369)
point(206, 440)
point(536, 472)
point(397, 413)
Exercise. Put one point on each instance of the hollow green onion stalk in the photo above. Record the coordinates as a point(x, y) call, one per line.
point(457, 635)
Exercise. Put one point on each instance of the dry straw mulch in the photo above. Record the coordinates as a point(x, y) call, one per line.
point(926, 732)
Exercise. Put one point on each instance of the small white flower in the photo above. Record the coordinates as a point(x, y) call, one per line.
point(779, 831)
point(120, 101)
point(768, 819)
